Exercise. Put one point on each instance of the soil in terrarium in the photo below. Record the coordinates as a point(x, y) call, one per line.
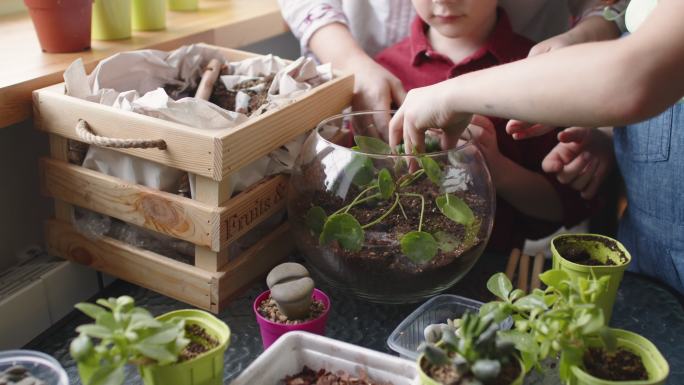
point(573, 250)
point(269, 310)
point(448, 375)
point(309, 376)
point(257, 89)
point(380, 265)
point(621, 365)
point(200, 342)
point(19, 375)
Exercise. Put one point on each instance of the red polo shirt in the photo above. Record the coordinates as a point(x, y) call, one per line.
point(416, 64)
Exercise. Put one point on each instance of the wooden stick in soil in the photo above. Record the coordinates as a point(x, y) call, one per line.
point(206, 85)
point(523, 272)
point(536, 270)
point(512, 263)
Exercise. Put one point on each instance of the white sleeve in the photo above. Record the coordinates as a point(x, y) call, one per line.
point(305, 17)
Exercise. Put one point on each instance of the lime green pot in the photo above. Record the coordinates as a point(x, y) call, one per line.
point(206, 369)
point(111, 19)
point(183, 5)
point(148, 15)
point(427, 380)
point(653, 360)
point(599, 248)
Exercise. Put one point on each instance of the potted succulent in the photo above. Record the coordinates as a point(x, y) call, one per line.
point(291, 303)
point(469, 351)
point(587, 255)
point(61, 25)
point(392, 227)
point(180, 347)
point(564, 321)
point(111, 19)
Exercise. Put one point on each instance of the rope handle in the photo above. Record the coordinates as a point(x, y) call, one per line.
point(88, 136)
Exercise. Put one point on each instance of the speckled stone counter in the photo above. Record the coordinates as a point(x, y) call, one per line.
point(642, 306)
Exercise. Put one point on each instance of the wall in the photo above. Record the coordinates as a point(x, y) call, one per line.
point(22, 209)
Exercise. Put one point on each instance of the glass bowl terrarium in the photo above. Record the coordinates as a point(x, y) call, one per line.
point(390, 227)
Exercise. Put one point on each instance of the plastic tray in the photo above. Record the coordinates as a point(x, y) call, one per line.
point(295, 349)
point(408, 336)
point(41, 365)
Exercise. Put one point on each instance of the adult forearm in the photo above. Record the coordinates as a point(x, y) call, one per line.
point(527, 191)
point(335, 44)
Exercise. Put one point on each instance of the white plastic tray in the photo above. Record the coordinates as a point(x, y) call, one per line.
point(292, 351)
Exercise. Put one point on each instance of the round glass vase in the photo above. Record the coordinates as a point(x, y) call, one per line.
point(390, 227)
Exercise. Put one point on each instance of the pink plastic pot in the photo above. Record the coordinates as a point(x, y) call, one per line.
point(270, 331)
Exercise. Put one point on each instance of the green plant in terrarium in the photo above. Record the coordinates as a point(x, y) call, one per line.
point(126, 334)
point(556, 322)
point(418, 245)
point(470, 350)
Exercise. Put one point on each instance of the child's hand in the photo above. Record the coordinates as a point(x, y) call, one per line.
point(523, 130)
point(423, 110)
point(583, 159)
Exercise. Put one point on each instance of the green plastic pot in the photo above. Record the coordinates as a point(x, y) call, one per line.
point(599, 251)
point(656, 365)
point(427, 380)
point(206, 369)
point(183, 5)
point(148, 15)
point(111, 19)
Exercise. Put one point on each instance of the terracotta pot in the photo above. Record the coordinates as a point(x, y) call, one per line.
point(61, 25)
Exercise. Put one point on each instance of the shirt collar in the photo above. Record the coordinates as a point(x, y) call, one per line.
point(499, 43)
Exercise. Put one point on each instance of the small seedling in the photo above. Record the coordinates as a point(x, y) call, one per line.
point(418, 245)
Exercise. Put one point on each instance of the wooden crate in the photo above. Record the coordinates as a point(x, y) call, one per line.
point(212, 221)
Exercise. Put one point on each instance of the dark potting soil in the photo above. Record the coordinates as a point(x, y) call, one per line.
point(448, 375)
point(200, 342)
point(269, 310)
point(380, 266)
point(323, 377)
point(571, 250)
point(18, 375)
point(621, 365)
point(225, 98)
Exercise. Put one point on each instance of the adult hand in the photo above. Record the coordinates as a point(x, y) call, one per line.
point(523, 130)
point(582, 159)
point(422, 110)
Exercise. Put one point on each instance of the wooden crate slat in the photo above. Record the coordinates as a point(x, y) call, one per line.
point(258, 137)
point(156, 210)
point(251, 207)
point(253, 264)
point(150, 270)
point(190, 149)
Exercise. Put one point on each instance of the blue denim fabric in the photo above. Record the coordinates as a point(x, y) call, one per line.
point(650, 155)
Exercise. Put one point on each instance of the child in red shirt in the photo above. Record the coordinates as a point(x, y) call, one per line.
point(450, 38)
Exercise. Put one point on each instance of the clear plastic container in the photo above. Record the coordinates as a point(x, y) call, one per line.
point(40, 365)
point(408, 336)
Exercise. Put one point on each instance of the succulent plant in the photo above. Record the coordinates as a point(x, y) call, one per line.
point(291, 289)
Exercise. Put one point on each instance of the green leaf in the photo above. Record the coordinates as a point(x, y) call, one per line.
point(446, 242)
point(315, 219)
point(372, 145)
point(125, 300)
point(455, 209)
point(80, 348)
point(165, 335)
point(385, 184)
point(345, 229)
point(435, 355)
point(530, 302)
point(486, 370)
point(554, 278)
point(432, 170)
point(608, 338)
point(159, 353)
point(522, 341)
point(92, 311)
point(108, 375)
point(419, 246)
point(593, 322)
point(107, 320)
point(142, 321)
point(500, 285)
point(95, 331)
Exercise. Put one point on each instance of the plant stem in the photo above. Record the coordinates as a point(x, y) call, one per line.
point(401, 207)
point(412, 178)
point(422, 208)
point(357, 201)
point(384, 215)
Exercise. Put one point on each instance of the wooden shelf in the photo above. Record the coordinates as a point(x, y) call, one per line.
point(227, 23)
